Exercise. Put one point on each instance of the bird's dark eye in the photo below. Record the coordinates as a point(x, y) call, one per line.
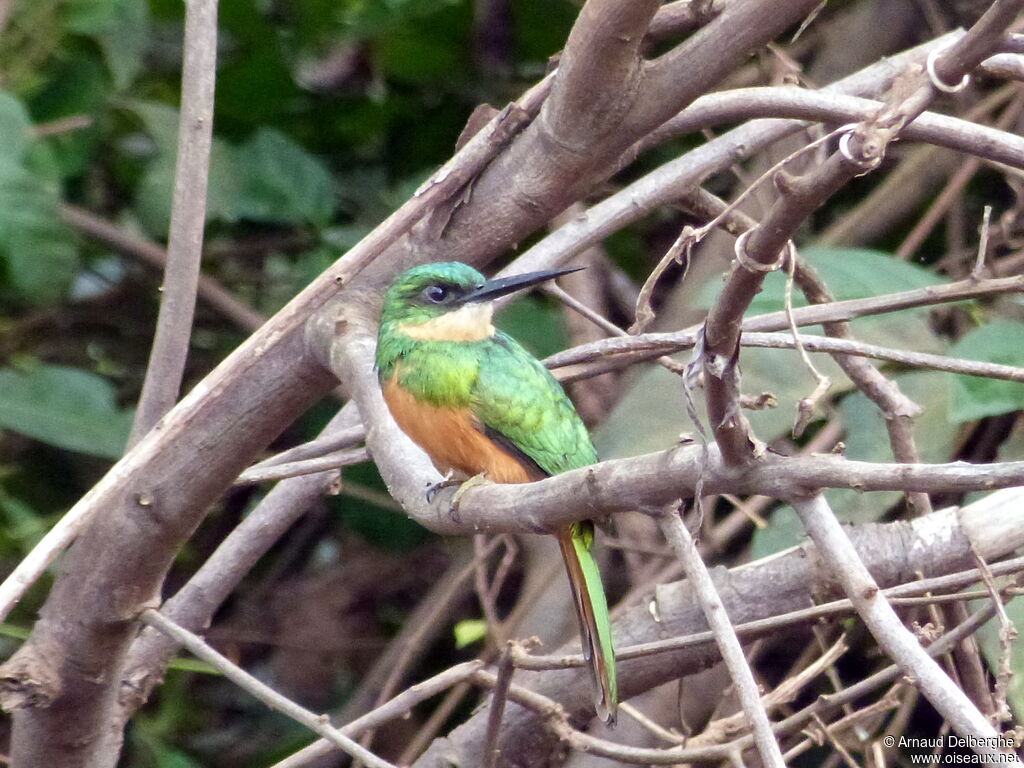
point(438, 294)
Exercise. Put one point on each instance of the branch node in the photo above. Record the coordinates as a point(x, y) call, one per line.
point(752, 265)
point(871, 151)
point(933, 76)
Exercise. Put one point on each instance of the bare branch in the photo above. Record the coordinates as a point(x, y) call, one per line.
point(798, 199)
point(209, 290)
point(680, 540)
point(908, 593)
point(279, 345)
point(188, 219)
point(319, 724)
point(649, 345)
point(598, 73)
point(895, 639)
point(683, 341)
point(799, 578)
point(623, 484)
point(194, 605)
point(412, 641)
point(328, 442)
point(277, 472)
point(679, 177)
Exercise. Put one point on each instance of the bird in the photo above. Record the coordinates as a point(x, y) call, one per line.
point(481, 406)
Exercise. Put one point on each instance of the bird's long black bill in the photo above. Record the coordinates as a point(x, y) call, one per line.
point(502, 286)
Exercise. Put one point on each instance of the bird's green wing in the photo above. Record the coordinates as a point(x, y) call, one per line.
point(516, 397)
point(524, 408)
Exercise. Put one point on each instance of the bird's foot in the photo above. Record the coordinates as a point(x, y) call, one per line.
point(447, 482)
point(474, 482)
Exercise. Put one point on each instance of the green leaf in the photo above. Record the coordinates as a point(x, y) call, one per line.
point(369, 18)
point(65, 407)
point(974, 397)
point(21, 522)
point(867, 439)
point(87, 17)
point(119, 27)
point(784, 530)
point(268, 178)
point(15, 127)
point(159, 121)
point(469, 631)
point(411, 56)
point(639, 422)
point(79, 85)
point(155, 192)
point(284, 183)
point(37, 252)
point(123, 43)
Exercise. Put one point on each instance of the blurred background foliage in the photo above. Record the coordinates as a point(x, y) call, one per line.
point(329, 114)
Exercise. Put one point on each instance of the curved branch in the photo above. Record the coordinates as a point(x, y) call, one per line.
point(188, 219)
point(820, 344)
point(665, 184)
point(826, 106)
point(598, 73)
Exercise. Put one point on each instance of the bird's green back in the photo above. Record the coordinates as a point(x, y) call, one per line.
point(505, 387)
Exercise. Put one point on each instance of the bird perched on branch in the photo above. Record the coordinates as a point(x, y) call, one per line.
point(480, 405)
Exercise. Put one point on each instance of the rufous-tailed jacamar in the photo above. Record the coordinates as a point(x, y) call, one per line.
point(479, 404)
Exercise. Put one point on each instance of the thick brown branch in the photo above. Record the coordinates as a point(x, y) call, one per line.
point(598, 73)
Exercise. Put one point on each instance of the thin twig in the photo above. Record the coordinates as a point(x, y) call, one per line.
point(497, 707)
point(899, 594)
point(650, 725)
point(209, 290)
point(648, 345)
point(1007, 634)
point(720, 730)
point(673, 756)
point(275, 472)
point(678, 537)
point(415, 635)
point(320, 446)
point(979, 262)
point(806, 406)
point(319, 724)
point(622, 484)
point(397, 661)
point(393, 709)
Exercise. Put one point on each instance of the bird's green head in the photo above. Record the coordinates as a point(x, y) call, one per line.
point(449, 301)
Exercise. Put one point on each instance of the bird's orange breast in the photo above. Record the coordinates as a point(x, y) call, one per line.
point(452, 437)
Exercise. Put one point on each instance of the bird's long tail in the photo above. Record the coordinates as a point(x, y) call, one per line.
point(592, 610)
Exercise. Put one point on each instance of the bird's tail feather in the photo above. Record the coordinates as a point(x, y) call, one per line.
point(592, 611)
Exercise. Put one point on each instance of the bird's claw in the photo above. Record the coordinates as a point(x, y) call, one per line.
point(474, 482)
point(446, 482)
